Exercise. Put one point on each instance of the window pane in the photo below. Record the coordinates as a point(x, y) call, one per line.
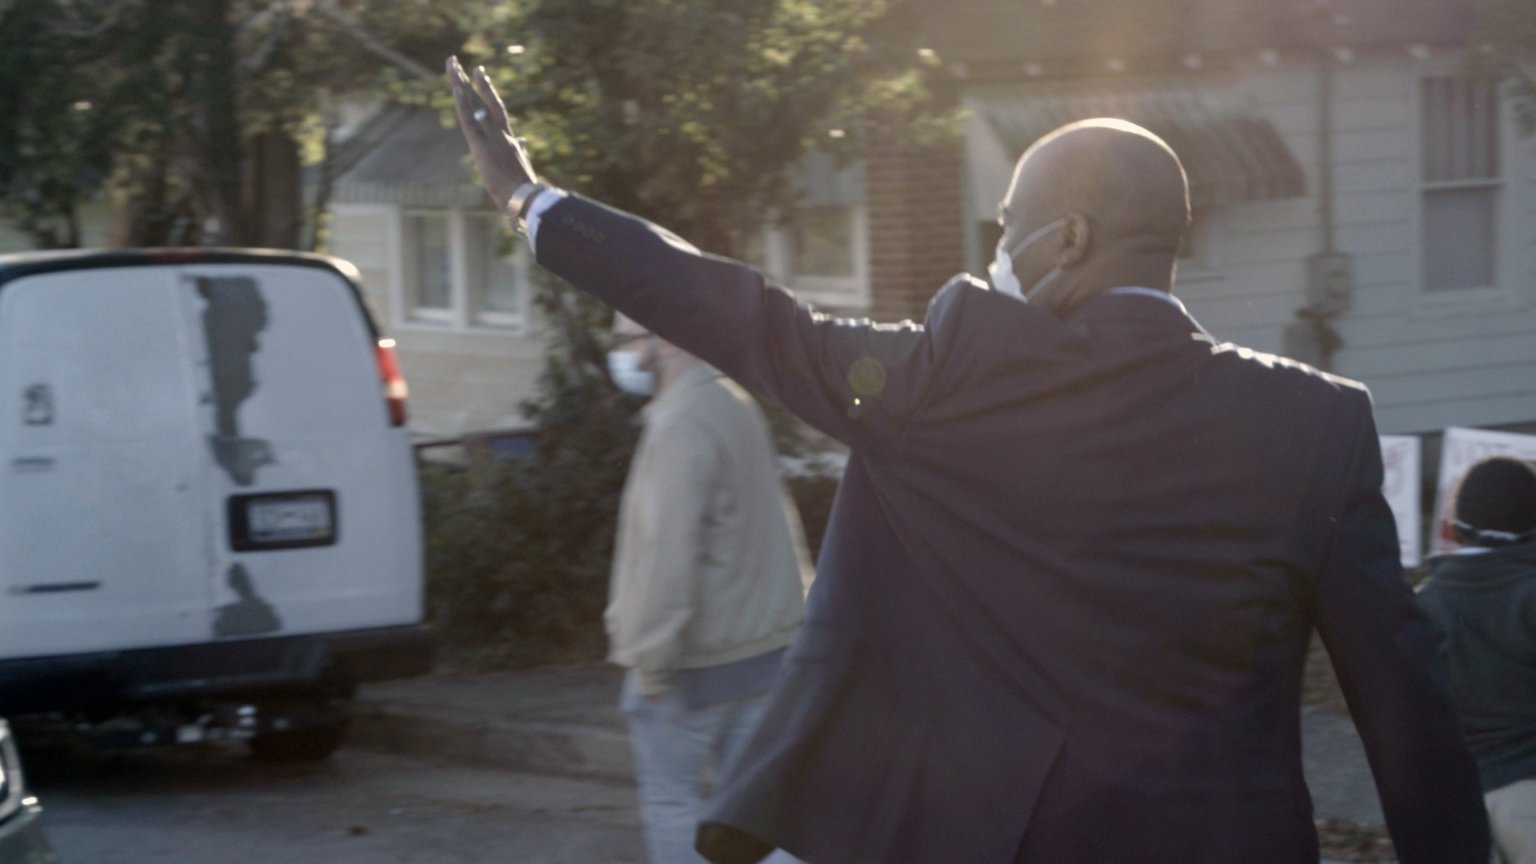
point(488, 255)
point(1436, 126)
point(426, 243)
point(823, 241)
point(1460, 119)
point(1486, 120)
point(1458, 239)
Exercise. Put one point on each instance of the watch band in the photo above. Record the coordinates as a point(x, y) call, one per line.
point(517, 205)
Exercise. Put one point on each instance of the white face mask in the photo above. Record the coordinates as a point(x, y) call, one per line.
point(1000, 271)
point(624, 366)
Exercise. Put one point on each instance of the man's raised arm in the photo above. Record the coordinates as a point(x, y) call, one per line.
point(849, 378)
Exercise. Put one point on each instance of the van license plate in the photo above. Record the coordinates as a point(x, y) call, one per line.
point(282, 521)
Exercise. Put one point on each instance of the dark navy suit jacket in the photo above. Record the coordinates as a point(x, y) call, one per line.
point(1064, 601)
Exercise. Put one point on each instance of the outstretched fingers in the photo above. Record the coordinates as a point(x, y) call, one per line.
point(492, 101)
point(465, 100)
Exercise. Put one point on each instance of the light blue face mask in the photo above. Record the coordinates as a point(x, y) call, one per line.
point(1000, 271)
point(624, 367)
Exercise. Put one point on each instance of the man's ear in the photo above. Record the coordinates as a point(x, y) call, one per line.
point(1076, 239)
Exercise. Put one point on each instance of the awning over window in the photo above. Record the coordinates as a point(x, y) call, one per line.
point(1229, 151)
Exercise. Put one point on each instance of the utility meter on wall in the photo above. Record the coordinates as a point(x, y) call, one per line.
point(1330, 283)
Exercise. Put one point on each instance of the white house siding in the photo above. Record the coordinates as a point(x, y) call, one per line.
point(1253, 278)
point(1430, 362)
point(362, 237)
point(460, 381)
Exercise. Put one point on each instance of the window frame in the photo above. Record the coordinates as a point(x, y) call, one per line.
point(851, 291)
point(465, 311)
point(407, 253)
point(1503, 293)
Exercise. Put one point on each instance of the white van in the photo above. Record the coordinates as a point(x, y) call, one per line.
point(209, 516)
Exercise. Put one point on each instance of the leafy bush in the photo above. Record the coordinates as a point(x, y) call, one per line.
point(518, 552)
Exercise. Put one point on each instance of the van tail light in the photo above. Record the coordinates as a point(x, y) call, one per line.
point(394, 382)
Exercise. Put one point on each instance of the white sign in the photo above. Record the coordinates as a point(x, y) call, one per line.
point(1462, 449)
point(1400, 486)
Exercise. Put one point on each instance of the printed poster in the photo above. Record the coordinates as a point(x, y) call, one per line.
point(1400, 486)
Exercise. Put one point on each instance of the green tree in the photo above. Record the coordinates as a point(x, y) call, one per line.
point(693, 112)
point(196, 116)
point(1506, 46)
point(55, 140)
point(689, 112)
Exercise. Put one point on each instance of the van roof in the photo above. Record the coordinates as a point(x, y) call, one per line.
point(17, 265)
point(43, 261)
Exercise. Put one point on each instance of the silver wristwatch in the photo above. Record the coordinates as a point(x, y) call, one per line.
point(517, 205)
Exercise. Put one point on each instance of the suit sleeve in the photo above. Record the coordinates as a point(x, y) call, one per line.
point(852, 379)
point(1383, 651)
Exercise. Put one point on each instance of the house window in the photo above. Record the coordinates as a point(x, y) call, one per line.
point(494, 273)
point(461, 269)
point(823, 242)
point(428, 265)
point(1461, 181)
point(819, 252)
point(820, 247)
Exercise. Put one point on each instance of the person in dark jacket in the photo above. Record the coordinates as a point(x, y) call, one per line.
point(1482, 599)
point(1067, 588)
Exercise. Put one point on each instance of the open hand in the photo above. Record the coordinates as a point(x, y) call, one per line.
point(499, 155)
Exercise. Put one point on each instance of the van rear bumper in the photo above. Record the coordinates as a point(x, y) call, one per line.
point(231, 669)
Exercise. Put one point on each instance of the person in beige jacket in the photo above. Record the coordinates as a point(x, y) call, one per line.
point(708, 584)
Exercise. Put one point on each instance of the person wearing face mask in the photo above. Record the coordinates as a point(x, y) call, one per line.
point(708, 581)
point(1068, 585)
point(1482, 599)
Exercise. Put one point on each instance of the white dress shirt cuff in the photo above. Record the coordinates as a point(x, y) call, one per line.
point(541, 202)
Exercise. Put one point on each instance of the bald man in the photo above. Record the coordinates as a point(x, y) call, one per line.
point(1065, 597)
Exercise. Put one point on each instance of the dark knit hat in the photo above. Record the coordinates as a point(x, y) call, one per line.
point(1496, 504)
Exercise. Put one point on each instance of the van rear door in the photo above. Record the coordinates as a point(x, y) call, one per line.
point(312, 488)
point(103, 544)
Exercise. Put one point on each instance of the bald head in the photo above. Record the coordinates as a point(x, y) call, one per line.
point(1125, 200)
point(1119, 175)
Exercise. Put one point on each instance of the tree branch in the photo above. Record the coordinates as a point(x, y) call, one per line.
point(328, 10)
point(76, 27)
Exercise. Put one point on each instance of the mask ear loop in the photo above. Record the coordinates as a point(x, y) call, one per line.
point(1035, 235)
point(1025, 243)
point(1495, 537)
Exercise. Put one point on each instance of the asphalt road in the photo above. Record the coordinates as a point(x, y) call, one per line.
point(213, 805)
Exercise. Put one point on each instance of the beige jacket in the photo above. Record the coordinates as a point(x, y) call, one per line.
point(710, 564)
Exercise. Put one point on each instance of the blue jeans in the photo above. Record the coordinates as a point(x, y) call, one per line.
point(674, 746)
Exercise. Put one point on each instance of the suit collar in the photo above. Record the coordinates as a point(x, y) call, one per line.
point(968, 298)
point(1122, 306)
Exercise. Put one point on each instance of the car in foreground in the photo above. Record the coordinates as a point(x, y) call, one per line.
point(209, 513)
point(21, 830)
